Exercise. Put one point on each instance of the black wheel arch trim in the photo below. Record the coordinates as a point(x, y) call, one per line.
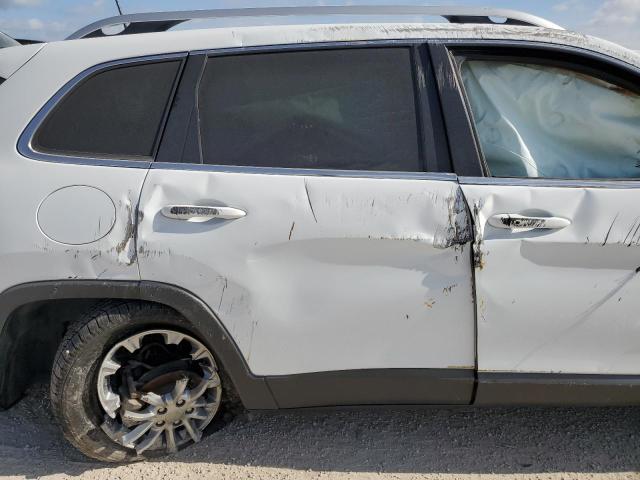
point(252, 390)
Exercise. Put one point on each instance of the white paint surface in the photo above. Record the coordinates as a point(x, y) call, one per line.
point(76, 215)
point(26, 254)
point(12, 58)
point(559, 300)
point(323, 273)
point(331, 297)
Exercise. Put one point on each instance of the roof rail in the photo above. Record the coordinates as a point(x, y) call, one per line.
point(163, 21)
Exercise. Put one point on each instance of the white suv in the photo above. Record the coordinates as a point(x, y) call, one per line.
point(312, 215)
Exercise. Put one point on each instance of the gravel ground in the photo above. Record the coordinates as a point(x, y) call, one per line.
point(355, 444)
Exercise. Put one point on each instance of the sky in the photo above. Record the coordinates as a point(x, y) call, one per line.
point(615, 20)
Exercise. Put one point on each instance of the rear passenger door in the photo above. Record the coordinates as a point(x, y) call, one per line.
point(291, 195)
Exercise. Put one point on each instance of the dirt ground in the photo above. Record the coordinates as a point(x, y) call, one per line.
point(381, 444)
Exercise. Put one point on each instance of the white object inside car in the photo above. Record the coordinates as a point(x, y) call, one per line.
point(541, 121)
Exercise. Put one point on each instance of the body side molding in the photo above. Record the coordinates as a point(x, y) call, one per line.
point(400, 386)
point(556, 389)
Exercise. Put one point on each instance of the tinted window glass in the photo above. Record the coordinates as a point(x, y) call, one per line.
point(350, 109)
point(539, 121)
point(116, 113)
point(7, 41)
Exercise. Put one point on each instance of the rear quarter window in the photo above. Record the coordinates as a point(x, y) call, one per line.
point(7, 41)
point(116, 113)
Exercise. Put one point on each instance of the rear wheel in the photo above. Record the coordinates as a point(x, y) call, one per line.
point(130, 381)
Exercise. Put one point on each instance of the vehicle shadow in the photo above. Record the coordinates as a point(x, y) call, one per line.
point(418, 441)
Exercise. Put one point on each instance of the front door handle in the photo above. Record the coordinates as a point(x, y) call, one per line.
point(522, 223)
point(197, 213)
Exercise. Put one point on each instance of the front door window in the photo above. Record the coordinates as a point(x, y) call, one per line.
point(539, 121)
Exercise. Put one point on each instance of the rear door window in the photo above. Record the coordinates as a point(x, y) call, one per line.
point(116, 113)
point(345, 109)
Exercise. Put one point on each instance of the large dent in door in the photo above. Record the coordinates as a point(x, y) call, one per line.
point(113, 256)
point(443, 221)
point(317, 260)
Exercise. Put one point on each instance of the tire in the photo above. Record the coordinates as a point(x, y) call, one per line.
point(74, 393)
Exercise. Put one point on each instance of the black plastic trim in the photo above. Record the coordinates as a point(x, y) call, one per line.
point(252, 390)
point(426, 144)
point(442, 154)
point(374, 387)
point(549, 389)
point(465, 153)
point(434, 145)
point(179, 142)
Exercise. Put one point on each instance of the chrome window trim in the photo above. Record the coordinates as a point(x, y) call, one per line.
point(25, 147)
point(306, 172)
point(549, 182)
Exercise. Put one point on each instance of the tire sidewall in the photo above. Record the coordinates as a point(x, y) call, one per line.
point(76, 402)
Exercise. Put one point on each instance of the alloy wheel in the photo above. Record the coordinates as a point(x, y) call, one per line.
point(159, 390)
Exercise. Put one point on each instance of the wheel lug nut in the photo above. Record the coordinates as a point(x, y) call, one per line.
point(162, 411)
point(160, 423)
point(180, 403)
point(190, 411)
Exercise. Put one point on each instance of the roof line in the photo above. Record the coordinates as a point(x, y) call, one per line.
point(163, 21)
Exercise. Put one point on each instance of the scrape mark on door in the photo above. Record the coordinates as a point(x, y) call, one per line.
point(306, 189)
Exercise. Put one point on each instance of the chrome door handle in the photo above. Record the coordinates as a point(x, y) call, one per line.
point(197, 213)
point(521, 223)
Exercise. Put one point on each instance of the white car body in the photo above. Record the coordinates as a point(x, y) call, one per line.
point(341, 272)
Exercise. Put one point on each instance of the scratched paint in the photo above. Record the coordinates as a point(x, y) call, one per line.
point(26, 253)
point(382, 264)
point(94, 214)
point(318, 264)
point(549, 301)
point(126, 247)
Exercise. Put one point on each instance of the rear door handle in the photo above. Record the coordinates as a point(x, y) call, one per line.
point(522, 223)
point(197, 213)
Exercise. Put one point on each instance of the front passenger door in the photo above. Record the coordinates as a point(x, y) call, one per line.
point(557, 217)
